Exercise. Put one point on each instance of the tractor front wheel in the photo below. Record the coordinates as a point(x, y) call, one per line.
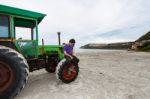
point(50, 67)
point(67, 71)
point(13, 73)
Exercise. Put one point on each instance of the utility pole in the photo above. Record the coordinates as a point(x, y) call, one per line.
point(59, 37)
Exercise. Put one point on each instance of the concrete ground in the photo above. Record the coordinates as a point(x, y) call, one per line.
point(103, 75)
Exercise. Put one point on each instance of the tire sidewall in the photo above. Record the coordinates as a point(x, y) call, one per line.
point(17, 74)
point(60, 72)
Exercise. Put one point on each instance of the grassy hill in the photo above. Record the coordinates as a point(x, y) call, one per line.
point(145, 38)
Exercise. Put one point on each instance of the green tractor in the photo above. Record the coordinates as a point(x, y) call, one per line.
point(20, 52)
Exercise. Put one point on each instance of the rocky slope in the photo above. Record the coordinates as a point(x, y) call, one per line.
point(143, 43)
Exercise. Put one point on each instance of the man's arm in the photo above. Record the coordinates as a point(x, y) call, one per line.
point(73, 53)
point(67, 54)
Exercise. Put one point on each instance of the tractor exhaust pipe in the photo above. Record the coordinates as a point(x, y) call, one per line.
point(59, 38)
point(42, 45)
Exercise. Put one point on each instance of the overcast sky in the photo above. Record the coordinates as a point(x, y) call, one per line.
point(99, 21)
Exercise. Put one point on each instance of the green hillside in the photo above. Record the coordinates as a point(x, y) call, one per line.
point(144, 37)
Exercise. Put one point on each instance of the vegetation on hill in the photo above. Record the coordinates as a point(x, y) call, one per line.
point(145, 49)
point(146, 39)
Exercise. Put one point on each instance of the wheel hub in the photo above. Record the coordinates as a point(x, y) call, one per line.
point(6, 76)
point(69, 72)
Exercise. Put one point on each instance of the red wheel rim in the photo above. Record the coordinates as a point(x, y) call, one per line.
point(69, 72)
point(6, 76)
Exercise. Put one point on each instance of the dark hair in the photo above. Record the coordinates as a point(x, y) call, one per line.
point(72, 41)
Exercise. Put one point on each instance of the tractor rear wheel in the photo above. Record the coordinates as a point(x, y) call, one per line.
point(13, 72)
point(67, 71)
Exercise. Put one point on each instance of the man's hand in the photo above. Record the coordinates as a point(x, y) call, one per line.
point(68, 54)
point(71, 57)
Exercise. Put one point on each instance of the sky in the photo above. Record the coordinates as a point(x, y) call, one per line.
point(89, 21)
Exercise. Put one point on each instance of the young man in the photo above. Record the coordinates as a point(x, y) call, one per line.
point(69, 51)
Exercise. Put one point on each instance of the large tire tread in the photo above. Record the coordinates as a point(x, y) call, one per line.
point(59, 71)
point(22, 69)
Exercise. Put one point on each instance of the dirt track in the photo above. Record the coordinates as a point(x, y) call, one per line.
point(103, 75)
